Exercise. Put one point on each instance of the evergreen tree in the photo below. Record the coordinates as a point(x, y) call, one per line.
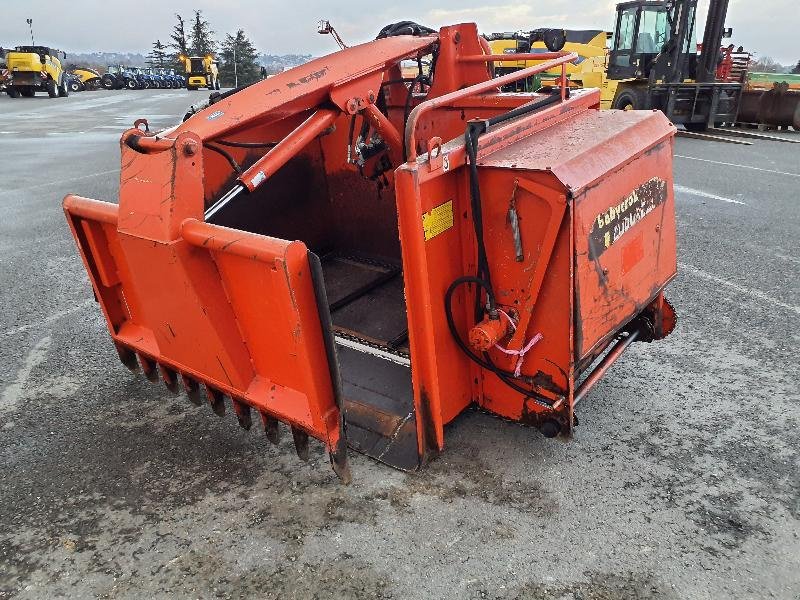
point(244, 67)
point(158, 56)
point(796, 69)
point(179, 42)
point(202, 35)
point(178, 36)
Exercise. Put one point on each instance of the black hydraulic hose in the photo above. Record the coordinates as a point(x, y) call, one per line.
point(419, 79)
point(221, 95)
point(474, 130)
point(226, 155)
point(234, 144)
point(551, 98)
point(486, 362)
point(482, 279)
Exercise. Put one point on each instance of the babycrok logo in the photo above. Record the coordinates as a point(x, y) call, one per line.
point(612, 223)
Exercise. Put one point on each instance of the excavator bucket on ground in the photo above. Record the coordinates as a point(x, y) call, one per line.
point(362, 255)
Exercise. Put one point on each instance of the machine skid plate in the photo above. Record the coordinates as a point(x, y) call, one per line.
point(234, 311)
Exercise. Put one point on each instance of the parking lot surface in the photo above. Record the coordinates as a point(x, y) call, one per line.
point(682, 480)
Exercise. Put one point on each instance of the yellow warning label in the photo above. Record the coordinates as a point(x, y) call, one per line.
point(439, 219)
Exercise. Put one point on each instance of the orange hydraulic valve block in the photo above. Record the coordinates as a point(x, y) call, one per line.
point(361, 256)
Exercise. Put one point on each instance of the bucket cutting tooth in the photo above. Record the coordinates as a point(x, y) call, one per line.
point(148, 367)
point(242, 411)
point(127, 357)
point(300, 443)
point(217, 401)
point(271, 428)
point(170, 378)
point(192, 389)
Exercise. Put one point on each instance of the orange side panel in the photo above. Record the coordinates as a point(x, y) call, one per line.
point(234, 310)
point(624, 245)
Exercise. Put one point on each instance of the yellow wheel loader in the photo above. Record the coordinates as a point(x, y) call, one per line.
point(201, 71)
point(34, 69)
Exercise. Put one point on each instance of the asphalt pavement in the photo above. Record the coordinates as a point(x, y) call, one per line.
point(682, 480)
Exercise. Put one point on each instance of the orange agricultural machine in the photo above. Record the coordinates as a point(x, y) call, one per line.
point(363, 256)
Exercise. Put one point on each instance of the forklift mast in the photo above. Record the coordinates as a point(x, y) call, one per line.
point(712, 40)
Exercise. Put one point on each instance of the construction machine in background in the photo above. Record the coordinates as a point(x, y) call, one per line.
point(652, 62)
point(3, 69)
point(201, 71)
point(118, 77)
point(771, 101)
point(87, 79)
point(362, 257)
point(587, 71)
point(34, 69)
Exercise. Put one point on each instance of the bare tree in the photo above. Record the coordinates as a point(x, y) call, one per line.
point(765, 64)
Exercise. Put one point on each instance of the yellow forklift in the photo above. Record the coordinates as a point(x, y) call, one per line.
point(651, 62)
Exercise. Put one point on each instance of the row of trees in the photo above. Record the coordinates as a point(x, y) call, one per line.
point(767, 64)
point(236, 55)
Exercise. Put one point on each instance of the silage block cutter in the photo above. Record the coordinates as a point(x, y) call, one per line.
point(362, 255)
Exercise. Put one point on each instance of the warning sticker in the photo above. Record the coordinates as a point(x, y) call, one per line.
point(439, 219)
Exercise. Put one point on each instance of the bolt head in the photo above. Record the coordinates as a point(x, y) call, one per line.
point(190, 148)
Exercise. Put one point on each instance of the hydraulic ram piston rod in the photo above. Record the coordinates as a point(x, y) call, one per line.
point(267, 165)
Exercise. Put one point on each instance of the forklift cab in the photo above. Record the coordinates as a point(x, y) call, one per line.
point(644, 29)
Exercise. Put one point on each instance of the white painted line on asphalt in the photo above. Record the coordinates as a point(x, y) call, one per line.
point(49, 319)
point(57, 182)
point(702, 194)
point(727, 164)
point(757, 294)
point(15, 391)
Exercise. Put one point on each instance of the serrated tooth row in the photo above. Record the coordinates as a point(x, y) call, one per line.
point(216, 399)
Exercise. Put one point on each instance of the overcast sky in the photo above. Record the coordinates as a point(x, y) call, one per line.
point(765, 27)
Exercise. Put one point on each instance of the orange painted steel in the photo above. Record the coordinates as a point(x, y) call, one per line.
point(265, 167)
point(486, 86)
point(536, 235)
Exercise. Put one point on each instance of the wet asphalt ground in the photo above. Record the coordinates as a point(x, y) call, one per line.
point(681, 482)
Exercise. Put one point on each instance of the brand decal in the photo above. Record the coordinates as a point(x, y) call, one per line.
point(215, 115)
point(612, 223)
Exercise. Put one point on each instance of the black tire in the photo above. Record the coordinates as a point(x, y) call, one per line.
point(74, 86)
point(107, 82)
point(13, 92)
point(130, 84)
point(52, 89)
point(63, 89)
point(28, 91)
point(630, 99)
point(216, 84)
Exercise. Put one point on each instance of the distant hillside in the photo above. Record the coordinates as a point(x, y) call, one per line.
point(274, 63)
point(100, 60)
